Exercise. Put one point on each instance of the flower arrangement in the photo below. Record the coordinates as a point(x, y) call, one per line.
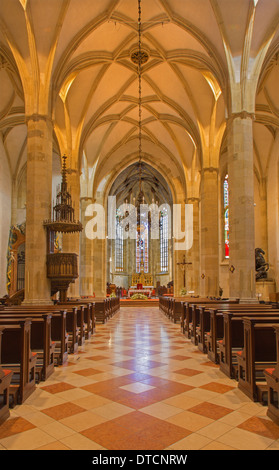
point(139, 297)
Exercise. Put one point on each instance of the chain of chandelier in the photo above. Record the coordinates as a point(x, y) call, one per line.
point(140, 93)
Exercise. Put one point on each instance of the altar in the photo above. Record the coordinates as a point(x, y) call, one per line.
point(142, 283)
point(145, 291)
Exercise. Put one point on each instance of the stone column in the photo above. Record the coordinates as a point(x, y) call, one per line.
point(38, 207)
point(263, 216)
point(209, 236)
point(241, 197)
point(71, 242)
point(179, 252)
point(99, 267)
point(193, 271)
point(86, 253)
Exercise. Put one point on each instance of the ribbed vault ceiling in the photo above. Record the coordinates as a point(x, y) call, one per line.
point(72, 59)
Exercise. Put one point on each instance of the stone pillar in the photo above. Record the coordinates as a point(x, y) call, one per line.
point(71, 242)
point(193, 271)
point(179, 252)
point(38, 207)
point(86, 253)
point(263, 216)
point(241, 200)
point(209, 236)
point(99, 267)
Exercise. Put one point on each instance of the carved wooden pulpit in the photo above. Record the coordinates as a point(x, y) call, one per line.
point(62, 268)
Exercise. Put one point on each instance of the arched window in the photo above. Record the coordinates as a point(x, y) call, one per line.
point(142, 250)
point(226, 216)
point(164, 241)
point(119, 258)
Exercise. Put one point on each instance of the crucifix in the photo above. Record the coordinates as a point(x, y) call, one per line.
point(183, 264)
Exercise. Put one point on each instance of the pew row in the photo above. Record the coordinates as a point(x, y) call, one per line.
point(40, 341)
point(258, 354)
point(74, 318)
point(216, 326)
point(244, 340)
point(272, 381)
point(16, 356)
point(233, 338)
point(5, 382)
point(59, 334)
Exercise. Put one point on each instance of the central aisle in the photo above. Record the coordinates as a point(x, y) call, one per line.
point(138, 384)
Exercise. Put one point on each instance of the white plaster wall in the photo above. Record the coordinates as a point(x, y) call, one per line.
point(5, 215)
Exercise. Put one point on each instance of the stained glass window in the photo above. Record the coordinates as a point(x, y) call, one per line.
point(142, 250)
point(226, 216)
point(164, 242)
point(119, 258)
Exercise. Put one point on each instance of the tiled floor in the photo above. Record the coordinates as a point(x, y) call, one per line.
point(138, 384)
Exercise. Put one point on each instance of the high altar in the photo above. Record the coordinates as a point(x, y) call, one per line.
point(142, 283)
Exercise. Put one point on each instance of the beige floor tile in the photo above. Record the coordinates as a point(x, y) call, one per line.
point(91, 402)
point(201, 395)
point(215, 430)
point(137, 387)
point(235, 418)
point(82, 421)
point(39, 419)
point(57, 430)
point(183, 401)
point(192, 442)
point(113, 410)
point(28, 440)
point(251, 408)
point(244, 440)
point(73, 394)
point(161, 410)
point(78, 442)
point(215, 445)
point(228, 400)
point(190, 421)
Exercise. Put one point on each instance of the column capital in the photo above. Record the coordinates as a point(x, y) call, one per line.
point(241, 115)
point(209, 169)
point(190, 200)
point(86, 198)
point(35, 117)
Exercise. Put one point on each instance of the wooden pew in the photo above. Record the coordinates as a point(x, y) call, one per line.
point(75, 324)
point(174, 309)
point(164, 304)
point(16, 356)
point(5, 382)
point(194, 326)
point(71, 332)
point(101, 310)
point(175, 312)
point(59, 332)
point(203, 328)
point(190, 305)
point(89, 314)
point(40, 343)
point(258, 354)
point(233, 339)
point(216, 332)
point(272, 381)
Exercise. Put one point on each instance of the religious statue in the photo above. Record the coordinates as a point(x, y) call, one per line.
point(261, 266)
